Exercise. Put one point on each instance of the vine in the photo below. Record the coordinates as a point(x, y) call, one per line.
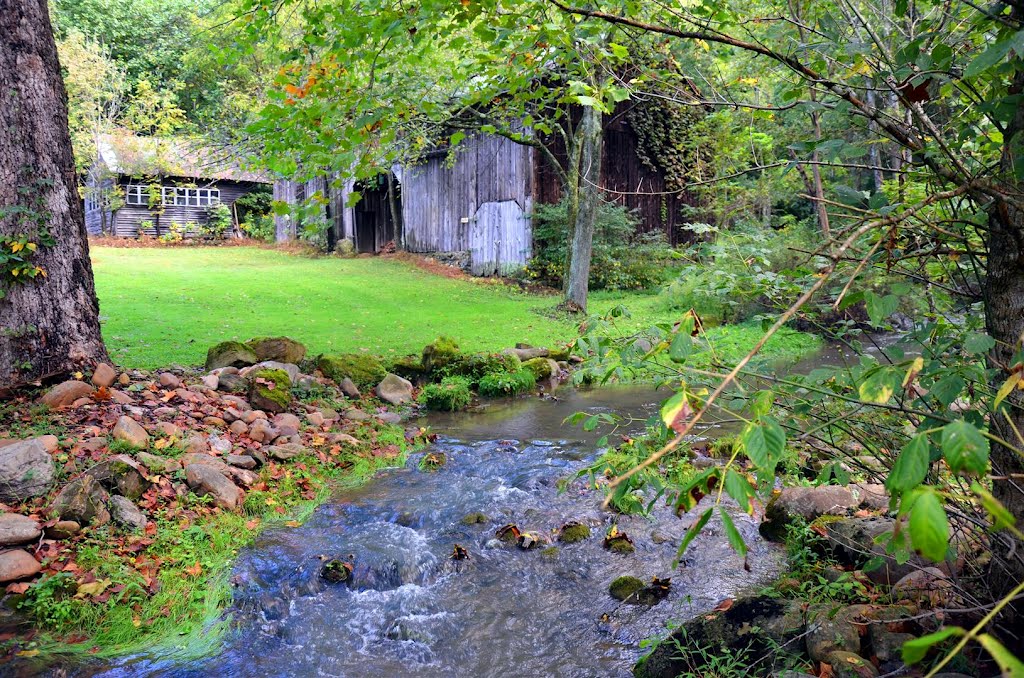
point(668, 140)
point(17, 251)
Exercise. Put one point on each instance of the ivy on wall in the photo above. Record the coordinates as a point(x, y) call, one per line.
point(18, 250)
point(670, 141)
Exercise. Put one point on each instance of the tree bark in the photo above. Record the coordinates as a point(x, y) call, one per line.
point(48, 325)
point(586, 214)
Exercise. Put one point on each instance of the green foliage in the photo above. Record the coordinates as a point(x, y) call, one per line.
point(255, 216)
point(439, 353)
point(28, 218)
point(622, 259)
point(451, 395)
point(474, 366)
point(499, 384)
point(219, 222)
point(540, 367)
point(363, 369)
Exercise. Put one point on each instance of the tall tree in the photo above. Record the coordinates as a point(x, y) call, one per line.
point(49, 314)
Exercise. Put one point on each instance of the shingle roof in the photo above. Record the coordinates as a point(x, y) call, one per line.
point(173, 156)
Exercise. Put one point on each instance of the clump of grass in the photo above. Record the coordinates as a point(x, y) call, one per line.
point(507, 384)
point(451, 395)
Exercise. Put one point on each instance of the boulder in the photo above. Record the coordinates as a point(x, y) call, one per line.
point(188, 460)
point(207, 481)
point(390, 417)
point(26, 471)
point(280, 349)
point(364, 370)
point(541, 367)
point(809, 503)
point(232, 383)
point(211, 381)
point(158, 464)
point(887, 645)
point(17, 564)
point(855, 541)
point(850, 665)
point(261, 431)
point(122, 475)
point(624, 587)
point(349, 388)
point(168, 380)
point(230, 354)
point(528, 353)
point(17, 529)
point(62, 395)
point(355, 415)
point(929, 587)
point(103, 376)
point(241, 461)
point(63, 529)
point(127, 514)
point(827, 633)
point(290, 368)
point(84, 501)
point(131, 432)
point(286, 423)
point(50, 443)
point(270, 390)
point(285, 452)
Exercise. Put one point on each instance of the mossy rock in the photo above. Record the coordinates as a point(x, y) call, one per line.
point(723, 447)
point(230, 354)
point(366, 371)
point(280, 349)
point(625, 586)
point(451, 395)
point(440, 353)
point(270, 390)
point(336, 571)
point(550, 552)
point(409, 367)
point(573, 532)
point(540, 367)
point(558, 354)
point(475, 366)
point(433, 461)
point(475, 518)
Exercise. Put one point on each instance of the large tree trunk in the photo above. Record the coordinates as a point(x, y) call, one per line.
point(586, 215)
point(50, 324)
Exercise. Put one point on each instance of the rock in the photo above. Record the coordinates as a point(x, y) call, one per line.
point(240, 461)
point(285, 452)
point(168, 429)
point(343, 438)
point(573, 532)
point(168, 380)
point(541, 367)
point(364, 370)
point(127, 514)
point(624, 587)
point(291, 369)
point(390, 417)
point(887, 645)
point(26, 471)
point(158, 464)
point(270, 390)
point(336, 571)
point(62, 395)
point(17, 529)
point(17, 564)
point(243, 476)
point(929, 587)
point(853, 542)
point(122, 475)
point(50, 443)
point(315, 419)
point(526, 354)
point(238, 427)
point(81, 402)
point(197, 444)
point(850, 665)
point(281, 349)
point(131, 432)
point(394, 389)
point(230, 354)
point(809, 503)
point(349, 388)
point(218, 444)
point(232, 383)
point(63, 529)
point(474, 518)
point(433, 461)
point(286, 423)
point(827, 634)
point(84, 501)
point(188, 460)
point(103, 376)
point(207, 481)
point(261, 431)
point(355, 415)
point(124, 379)
point(120, 397)
point(211, 381)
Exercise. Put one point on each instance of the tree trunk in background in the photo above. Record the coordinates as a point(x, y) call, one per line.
point(50, 325)
point(586, 216)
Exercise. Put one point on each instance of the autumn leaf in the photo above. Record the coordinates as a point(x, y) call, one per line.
point(195, 570)
point(725, 605)
point(293, 523)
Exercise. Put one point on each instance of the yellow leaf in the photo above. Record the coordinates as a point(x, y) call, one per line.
point(1005, 389)
point(31, 247)
point(17, 246)
point(915, 368)
point(28, 653)
point(162, 443)
point(293, 523)
point(92, 588)
point(77, 375)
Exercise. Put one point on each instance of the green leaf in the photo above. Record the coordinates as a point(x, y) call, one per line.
point(879, 386)
point(911, 466)
point(965, 448)
point(916, 649)
point(740, 489)
point(1001, 517)
point(879, 308)
point(674, 409)
point(989, 58)
point(764, 443)
point(977, 343)
point(1009, 665)
point(761, 403)
point(929, 525)
point(691, 534)
point(735, 538)
point(681, 348)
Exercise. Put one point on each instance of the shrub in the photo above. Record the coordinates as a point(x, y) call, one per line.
point(622, 259)
point(474, 366)
point(364, 370)
point(218, 222)
point(507, 384)
point(451, 395)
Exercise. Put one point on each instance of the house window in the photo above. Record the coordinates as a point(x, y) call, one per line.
point(174, 196)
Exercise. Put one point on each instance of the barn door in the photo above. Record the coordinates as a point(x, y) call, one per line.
point(499, 241)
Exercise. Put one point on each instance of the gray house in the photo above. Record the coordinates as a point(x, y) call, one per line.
point(149, 185)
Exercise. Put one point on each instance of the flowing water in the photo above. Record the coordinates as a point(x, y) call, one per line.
point(411, 610)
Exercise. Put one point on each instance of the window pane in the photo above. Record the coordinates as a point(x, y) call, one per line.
point(214, 197)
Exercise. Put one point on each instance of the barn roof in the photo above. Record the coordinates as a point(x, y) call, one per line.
point(173, 156)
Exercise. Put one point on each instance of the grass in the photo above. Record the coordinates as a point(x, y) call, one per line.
point(161, 306)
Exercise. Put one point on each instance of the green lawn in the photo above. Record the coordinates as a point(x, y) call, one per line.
point(168, 305)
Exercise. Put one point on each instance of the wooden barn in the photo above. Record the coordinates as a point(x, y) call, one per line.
point(149, 186)
point(476, 211)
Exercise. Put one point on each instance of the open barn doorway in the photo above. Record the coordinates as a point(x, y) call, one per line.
point(378, 214)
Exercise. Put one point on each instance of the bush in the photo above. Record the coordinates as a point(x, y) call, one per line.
point(507, 384)
point(451, 395)
point(474, 366)
point(622, 258)
point(218, 222)
point(364, 370)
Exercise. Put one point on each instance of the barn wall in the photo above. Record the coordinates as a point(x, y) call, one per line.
point(127, 221)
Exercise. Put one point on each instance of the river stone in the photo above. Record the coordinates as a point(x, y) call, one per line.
point(232, 383)
point(127, 514)
point(261, 431)
point(121, 474)
point(17, 564)
point(131, 432)
point(62, 395)
point(188, 460)
point(158, 464)
point(356, 415)
point(230, 354)
point(290, 368)
point(286, 423)
point(850, 665)
point(394, 389)
point(103, 376)
point(83, 500)
point(26, 471)
point(281, 349)
point(809, 503)
point(928, 586)
point(284, 452)
point(63, 529)
point(887, 645)
point(240, 461)
point(528, 353)
point(206, 480)
point(853, 542)
point(17, 529)
point(390, 417)
point(349, 388)
point(827, 634)
point(624, 587)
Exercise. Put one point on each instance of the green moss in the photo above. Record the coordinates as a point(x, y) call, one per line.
point(625, 586)
point(722, 448)
point(409, 367)
point(504, 384)
point(432, 461)
point(540, 367)
point(270, 390)
point(365, 370)
point(451, 395)
point(573, 532)
point(442, 351)
point(558, 354)
point(550, 552)
point(474, 518)
point(281, 349)
point(230, 354)
point(476, 365)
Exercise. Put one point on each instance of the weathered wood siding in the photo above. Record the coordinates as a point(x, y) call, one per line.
point(443, 207)
point(96, 218)
point(128, 220)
